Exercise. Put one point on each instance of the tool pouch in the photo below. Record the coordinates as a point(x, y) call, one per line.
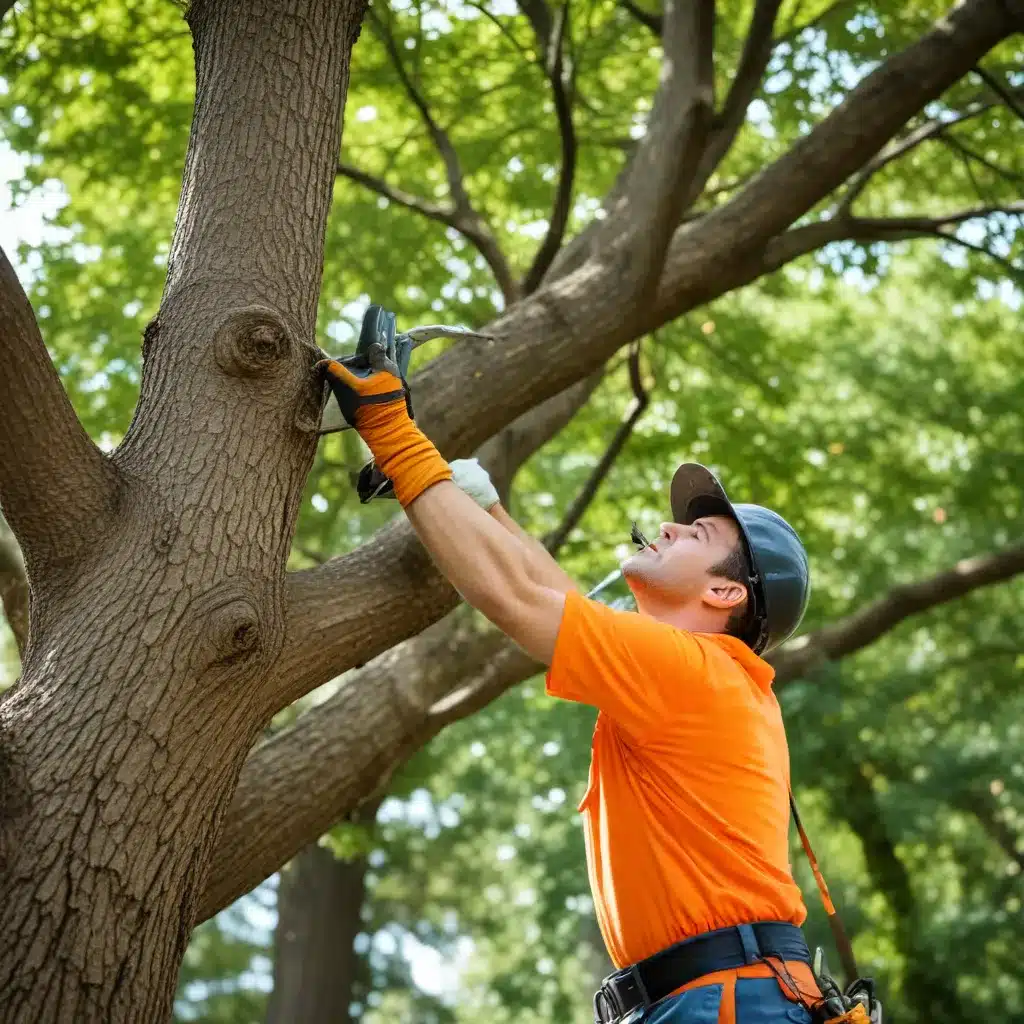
point(857, 1005)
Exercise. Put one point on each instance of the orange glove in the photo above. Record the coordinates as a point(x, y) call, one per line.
point(377, 406)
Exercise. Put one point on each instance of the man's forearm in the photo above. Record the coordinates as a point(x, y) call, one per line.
point(540, 564)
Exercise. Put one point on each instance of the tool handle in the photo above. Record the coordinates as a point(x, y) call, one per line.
point(376, 345)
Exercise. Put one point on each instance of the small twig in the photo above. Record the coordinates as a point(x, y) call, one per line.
point(884, 229)
point(503, 29)
point(435, 211)
point(900, 147)
point(654, 22)
point(966, 151)
point(440, 138)
point(465, 217)
point(1000, 89)
point(555, 70)
point(641, 397)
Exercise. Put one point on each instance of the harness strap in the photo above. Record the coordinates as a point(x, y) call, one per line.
point(843, 945)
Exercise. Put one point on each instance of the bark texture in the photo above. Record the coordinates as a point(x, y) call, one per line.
point(13, 586)
point(159, 598)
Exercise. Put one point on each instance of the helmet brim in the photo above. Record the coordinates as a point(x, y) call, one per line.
point(696, 492)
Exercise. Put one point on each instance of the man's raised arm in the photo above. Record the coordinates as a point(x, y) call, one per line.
point(491, 566)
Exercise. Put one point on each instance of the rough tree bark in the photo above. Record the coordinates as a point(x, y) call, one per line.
point(13, 586)
point(163, 629)
point(159, 592)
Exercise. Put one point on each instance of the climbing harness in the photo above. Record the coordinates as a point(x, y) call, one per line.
point(625, 996)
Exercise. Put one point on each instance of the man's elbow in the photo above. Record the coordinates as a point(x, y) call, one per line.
point(530, 616)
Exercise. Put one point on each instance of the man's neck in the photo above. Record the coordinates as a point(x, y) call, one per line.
point(693, 616)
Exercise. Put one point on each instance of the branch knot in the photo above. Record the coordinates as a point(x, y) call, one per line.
point(251, 342)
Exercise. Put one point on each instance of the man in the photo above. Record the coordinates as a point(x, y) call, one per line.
point(686, 813)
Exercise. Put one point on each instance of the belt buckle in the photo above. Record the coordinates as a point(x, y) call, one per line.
point(607, 996)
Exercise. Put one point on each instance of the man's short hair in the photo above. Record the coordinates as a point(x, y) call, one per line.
point(736, 567)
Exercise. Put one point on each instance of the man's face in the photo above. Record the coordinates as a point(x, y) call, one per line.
point(677, 564)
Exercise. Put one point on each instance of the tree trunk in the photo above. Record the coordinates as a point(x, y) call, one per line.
point(928, 987)
point(154, 630)
point(319, 900)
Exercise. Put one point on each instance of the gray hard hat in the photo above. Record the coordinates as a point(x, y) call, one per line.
point(779, 576)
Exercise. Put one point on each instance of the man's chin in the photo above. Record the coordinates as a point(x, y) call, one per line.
point(633, 567)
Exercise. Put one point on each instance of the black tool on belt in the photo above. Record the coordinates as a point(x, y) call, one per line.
point(626, 995)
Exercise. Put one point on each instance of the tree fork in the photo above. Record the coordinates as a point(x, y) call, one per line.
point(146, 676)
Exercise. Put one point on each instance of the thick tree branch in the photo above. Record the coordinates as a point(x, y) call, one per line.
point(667, 160)
point(796, 659)
point(344, 751)
point(553, 50)
point(580, 317)
point(13, 585)
point(466, 218)
point(56, 487)
point(641, 398)
point(886, 99)
point(645, 204)
point(757, 50)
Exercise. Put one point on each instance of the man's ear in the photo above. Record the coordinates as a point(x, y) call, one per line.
point(724, 594)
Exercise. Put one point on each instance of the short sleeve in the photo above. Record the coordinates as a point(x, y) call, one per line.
point(628, 665)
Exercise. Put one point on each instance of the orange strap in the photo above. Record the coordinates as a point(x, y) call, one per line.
point(843, 945)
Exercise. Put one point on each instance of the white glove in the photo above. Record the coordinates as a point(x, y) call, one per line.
point(472, 479)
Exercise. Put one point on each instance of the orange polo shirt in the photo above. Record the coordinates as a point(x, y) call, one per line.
point(686, 815)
